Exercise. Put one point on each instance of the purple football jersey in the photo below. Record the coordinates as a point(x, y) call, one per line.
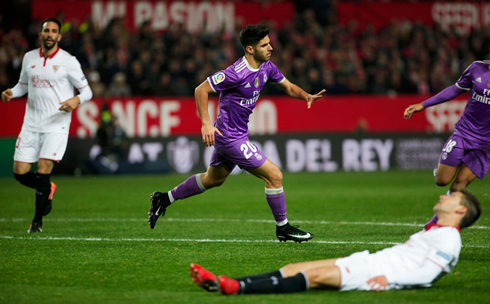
point(239, 86)
point(475, 121)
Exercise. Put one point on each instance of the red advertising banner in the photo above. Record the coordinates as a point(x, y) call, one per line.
point(194, 15)
point(164, 117)
point(462, 15)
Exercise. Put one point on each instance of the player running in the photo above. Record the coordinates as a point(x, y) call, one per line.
point(48, 76)
point(420, 262)
point(239, 86)
point(468, 148)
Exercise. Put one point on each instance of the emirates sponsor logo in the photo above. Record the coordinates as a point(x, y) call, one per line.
point(40, 83)
point(250, 101)
point(481, 98)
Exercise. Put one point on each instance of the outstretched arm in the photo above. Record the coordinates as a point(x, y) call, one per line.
point(294, 91)
point(207, 130)
point(443, 96)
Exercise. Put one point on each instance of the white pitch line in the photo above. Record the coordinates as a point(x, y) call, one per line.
point(51, 238)
point(227, 220)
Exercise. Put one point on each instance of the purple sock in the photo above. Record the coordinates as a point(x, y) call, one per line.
point(277, 203)
point(188, 188)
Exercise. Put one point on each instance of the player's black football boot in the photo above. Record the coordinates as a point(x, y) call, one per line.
point(288, 232)
point(35, 227)
point(159, 203)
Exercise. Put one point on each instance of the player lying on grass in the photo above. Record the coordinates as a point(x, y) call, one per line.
point(420, 262)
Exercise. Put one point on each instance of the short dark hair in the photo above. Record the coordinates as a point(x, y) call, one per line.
point(473, 211)
point(252, 34)
point(55, 20)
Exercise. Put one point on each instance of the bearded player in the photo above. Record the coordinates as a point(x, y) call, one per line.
point(48, 76)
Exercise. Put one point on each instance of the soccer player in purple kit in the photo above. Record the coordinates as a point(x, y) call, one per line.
point(239, 86)
point(468, 148)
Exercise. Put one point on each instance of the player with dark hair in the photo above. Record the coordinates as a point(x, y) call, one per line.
point(239, 86)
point(420, 262)
point(468, 148)
point(48, 76)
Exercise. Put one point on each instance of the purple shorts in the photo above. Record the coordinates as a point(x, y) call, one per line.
point(241, 152)
point(459, 149)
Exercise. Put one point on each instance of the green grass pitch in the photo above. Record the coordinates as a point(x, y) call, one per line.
point(96, 246)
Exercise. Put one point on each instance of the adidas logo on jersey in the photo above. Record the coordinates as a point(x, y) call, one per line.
point(247, 85)
point(478, 79)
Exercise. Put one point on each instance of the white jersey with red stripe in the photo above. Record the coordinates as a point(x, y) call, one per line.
point(417, 260)
point(50, 81)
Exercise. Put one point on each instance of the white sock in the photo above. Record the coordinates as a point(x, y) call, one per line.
point(282, 223)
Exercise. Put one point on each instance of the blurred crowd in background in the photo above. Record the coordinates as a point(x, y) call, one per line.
point(312, 52)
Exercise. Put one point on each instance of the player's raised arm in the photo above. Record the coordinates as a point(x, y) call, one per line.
point(294, 91)
point(207, 130)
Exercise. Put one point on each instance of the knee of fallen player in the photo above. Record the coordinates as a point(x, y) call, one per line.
point(290, 270)
point(324, 277)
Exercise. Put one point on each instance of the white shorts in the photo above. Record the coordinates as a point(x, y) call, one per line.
point(355, 271)
point(31, 146)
